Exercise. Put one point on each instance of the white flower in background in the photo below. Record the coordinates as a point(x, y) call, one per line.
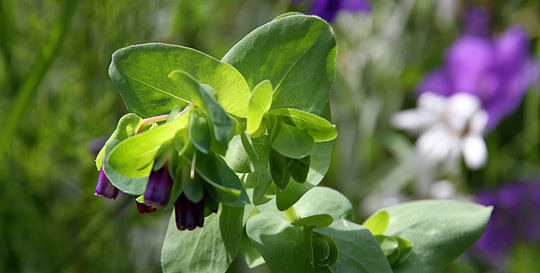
point(449, 127)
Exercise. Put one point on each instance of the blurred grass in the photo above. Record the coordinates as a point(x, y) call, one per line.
point(50, 221)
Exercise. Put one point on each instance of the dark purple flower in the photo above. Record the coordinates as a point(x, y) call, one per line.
point(497, 71)
point(104, 187)
point(142, 208)
point(328, 9)
point(189, 215)
point(515, 217)
point(476, 22)
point(158, 189)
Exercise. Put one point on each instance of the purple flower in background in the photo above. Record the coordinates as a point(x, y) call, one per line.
point(328, 9)
point(476, 22)
point(158, 190)
point(104, 187)
point(497, 71)
point(515, 217)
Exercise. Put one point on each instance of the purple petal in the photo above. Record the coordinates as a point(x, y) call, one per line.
point(355, 5)
point(142, 208)
point(104, 187)
point(188, 215)
point(511, 51)
point(477, 22)
point(436, 82)
point(326, 9)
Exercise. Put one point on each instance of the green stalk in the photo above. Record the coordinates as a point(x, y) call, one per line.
point(290, 214)
point(28, 88)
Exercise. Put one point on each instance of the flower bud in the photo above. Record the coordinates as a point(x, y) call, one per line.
point(142, 208)
point(104, 187)
point(158, 190)
point(189, 215)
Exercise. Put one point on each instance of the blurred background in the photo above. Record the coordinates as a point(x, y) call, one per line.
point(57, 106)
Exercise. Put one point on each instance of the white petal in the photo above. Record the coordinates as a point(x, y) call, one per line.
point(443, 189)
point(436, 144)
point(461, 107)
point(474, 152)
point(478, 123)
point(413, 120)
point(432, 102)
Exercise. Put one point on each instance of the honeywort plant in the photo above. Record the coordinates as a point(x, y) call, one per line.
point(238, 146)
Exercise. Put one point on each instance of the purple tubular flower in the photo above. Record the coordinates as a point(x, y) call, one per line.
point(497, 71)
point(104, 187)
point(158, 190)
point(515, 217)
point(189, 215)
point(328, 9)
point(142, 208)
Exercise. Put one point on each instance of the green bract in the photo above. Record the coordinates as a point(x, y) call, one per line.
point(260, 115)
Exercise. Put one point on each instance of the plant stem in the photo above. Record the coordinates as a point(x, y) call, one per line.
point(290, 214)
point(149, 120)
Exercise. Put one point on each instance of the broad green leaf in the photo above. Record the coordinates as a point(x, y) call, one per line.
point(389, 246)
point(173, 114)
point(358, 249)
point(237, 158)
point(292, 142)
point(257, 182)
point(199, 132)
point(140, 74)
point(259, 103)
point(320, 161)
point(440, 231)
point(378, 222)
point(299, 168)
point(296, 53)
point(200, 94)
point(278, 169)
point(280, 243)
point(325, 250)
point(319, 128)
point(251, 256)
point(216, 172)
point(208, 249)
point(133, 157)
point(127, 127)
point(193, 188)
point(317, 221)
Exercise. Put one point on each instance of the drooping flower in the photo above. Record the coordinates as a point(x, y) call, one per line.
point(448, 127)
point(515, 218)
point(158, 189)
point(498, 72)
point(104, 186)
point(328, 9)
point(143, 208)
point(189, 215)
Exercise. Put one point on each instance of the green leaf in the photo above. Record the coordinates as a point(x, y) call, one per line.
point(319, 128)
point(389, 246)
point(259, 103)
point(320, 161)
point(325, 250)
point(127, 127)
point(280, 243)
point(296, 53)
point(257, 182)
point(193, 188)
point(278, 169)
point(378, 222)
point(218, 240)
point(199, 132)
point(251, 256)
point(173, 114)
point(317, 221)
point(237, 157)
point(292, 142)
point(439, 230)
point(299, 168)
point(133, 157)
point(350, 238)
point(228, 187)
point(140, 74)
point(405, 249)
point(200, 94)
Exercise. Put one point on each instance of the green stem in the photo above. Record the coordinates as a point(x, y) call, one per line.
point(149, 120)
point(290, 214)
point(31, 83)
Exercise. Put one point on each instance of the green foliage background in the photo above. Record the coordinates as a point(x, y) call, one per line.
point(54, 57)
